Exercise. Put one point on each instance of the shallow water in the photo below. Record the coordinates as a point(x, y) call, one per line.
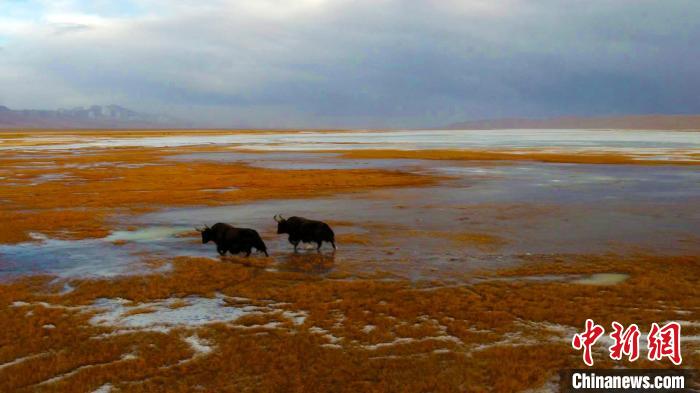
point(300, 161)
point(588, 209)
point(527, 208)
point(532, 208)
point(66, 258)
point(122, 252)
point(602, 279)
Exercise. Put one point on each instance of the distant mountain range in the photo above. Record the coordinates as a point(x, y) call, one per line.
point(96, 116)
point(117, 117)
point(634, 122)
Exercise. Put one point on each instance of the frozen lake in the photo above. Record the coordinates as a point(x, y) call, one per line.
point(662, 143)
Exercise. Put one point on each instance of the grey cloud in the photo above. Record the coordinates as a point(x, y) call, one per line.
point(370, 63)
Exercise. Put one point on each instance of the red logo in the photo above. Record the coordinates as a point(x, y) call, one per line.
point(626, 342)
point(663, 342)
point(586, 340)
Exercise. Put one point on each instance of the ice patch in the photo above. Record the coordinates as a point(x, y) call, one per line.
point(166, 314)
point(325, 334)
point(147, 234)
point(22, 359)
point(106, 388)
point(37, 236)
point(67, 288)
point(297, 317)
point(408, 340)
point(199, 346)
point(199, 311)
point(368, 328)
point(646, 143)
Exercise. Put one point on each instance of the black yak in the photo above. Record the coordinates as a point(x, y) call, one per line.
point(301, 229)
point(232, 239)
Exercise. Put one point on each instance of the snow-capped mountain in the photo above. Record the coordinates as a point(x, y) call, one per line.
point(96, 116)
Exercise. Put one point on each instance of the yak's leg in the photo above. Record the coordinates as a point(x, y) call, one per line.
point(319, 243)
point(247, 252)
point(333, 244)
point(296, 244)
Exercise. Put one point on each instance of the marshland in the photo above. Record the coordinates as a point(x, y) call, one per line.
point(462, 255)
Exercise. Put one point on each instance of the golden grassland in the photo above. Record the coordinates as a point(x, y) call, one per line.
point(95, 186)
point(521, 155)
point(496, 335)
point(497, 330)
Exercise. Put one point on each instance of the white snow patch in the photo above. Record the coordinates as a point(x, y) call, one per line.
point(165, 314)
point(22, 359)
point(106, 388)
point(199, 346)
point(407, 340)
point(129, 356)
point(38, 236)
point(368, 328)
point(66, 375)
point(297, 317)
point(199, 311)
point(325, 334)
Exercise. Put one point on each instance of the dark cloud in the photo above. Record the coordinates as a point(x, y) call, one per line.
point(319, 63)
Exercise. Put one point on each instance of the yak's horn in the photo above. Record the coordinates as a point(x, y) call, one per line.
point(199, 229)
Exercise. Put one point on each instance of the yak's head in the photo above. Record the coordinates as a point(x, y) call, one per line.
point(206, 234)
point(281, 224)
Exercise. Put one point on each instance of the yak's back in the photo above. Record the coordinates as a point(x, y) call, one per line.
point(314, 229)
point(220, 231)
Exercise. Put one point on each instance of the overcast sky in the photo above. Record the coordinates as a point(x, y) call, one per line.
point(363, 63)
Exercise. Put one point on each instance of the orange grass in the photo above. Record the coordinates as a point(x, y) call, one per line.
point(516, 155)
point(298, 358)
point(481, 241)
point(80, 207)
point(375, 333)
